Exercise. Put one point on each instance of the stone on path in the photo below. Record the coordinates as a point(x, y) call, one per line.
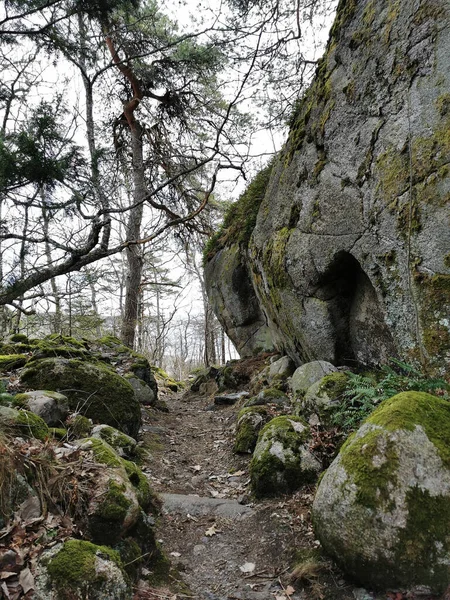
point(230, 399)
point(200, 506)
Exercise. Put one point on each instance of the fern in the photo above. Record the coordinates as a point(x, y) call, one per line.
point(364, 392)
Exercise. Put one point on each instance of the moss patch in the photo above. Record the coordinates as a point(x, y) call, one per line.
point(12, 361)
point(240, 218)
point(249, 423)
point(72, 569)
point(372, 478)
point(410, 409)
point(30, 425)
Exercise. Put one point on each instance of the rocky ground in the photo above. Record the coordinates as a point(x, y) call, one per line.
point(225, 545)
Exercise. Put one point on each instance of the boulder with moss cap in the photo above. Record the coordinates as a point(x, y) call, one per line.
point(282, 461)
point(22, 423)
point(78, 569)
point(123, 444)
point(52, 407)
point(94, 390)
point(249, 423)
point(320, 400)
point(382, 509)
point(308, 374)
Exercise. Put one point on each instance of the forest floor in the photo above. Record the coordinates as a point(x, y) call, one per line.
point(223, 544)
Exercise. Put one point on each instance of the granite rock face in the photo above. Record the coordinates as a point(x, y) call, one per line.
point(349, 256)
point(232, 295)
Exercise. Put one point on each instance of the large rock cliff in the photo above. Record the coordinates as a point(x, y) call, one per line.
point(350, 254)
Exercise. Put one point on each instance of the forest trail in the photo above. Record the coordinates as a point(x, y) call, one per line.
point(225, 545)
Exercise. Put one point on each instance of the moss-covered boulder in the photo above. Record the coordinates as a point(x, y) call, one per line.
point(382, 509)
point(268, 396)
point(94, 390)
point(320, 400)
point(22, 423)
point(9, 362)
point(52, 407)
point(78, 569)
point(249, 423)
point(308, 374)
point(123, 444)
point(282, 461)
point(105, 454)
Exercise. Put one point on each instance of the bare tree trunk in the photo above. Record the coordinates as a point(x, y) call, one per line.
point(134, 251)
point(94, 306)
point(56, 323)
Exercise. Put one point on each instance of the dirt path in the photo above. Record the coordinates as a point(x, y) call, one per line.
point(225, 546)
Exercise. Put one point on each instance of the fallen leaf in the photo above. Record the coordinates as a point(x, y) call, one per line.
point(30, 509)
point(247, 567)
point(26, 580)
point(212, 531)
point(289, 590)
point(236, 474)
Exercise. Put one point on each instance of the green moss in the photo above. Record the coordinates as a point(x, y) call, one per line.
point(274, 256)
point(372, 479)
point(247, 429)
point(393, 12)
point(72, 570)
point(12, 361)
point(131, 557)
point(117, 439)
point(345, 11)
point(18, 337)
point(79, 426)
point(428, 10)
point(115, 504)
point(424, 541)
point(410, 409)
point(103, 452)
point(334, 385)
point(58, 433)
point(146, 497)
point(160, 568)
point(443, 104)
point(240, 218)
point(435, 309)
point(30, 425)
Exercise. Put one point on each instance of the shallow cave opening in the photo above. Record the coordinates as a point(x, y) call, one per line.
point(361, 336)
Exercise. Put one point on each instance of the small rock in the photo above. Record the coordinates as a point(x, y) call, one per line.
point(230, 399)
